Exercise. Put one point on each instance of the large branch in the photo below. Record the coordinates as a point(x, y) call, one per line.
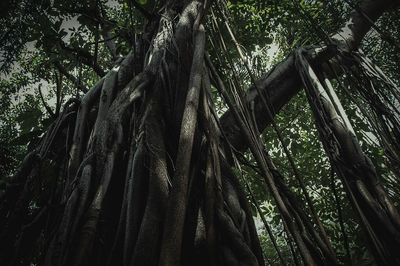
point(283, 81)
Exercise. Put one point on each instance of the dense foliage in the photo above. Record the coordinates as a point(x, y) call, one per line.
point(52, 51)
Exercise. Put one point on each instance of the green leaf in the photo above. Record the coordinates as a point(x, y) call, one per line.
point(29, 119)
point(25, 138)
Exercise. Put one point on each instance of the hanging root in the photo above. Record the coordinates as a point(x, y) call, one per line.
point(107, 139)
point(172, 238)
point(378, 215)
point(147, 246)
point(81, 131)
point(121, 193)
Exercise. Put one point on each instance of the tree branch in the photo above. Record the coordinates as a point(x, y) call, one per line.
point(73, 79)
point(283, 81)
point(85, 57)
point(46, 106)
point(141, 9)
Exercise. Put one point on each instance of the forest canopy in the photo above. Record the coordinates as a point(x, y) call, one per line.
point(193, 132)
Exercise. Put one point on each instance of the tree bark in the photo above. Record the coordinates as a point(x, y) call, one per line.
point(283, 82)
point(147, 181)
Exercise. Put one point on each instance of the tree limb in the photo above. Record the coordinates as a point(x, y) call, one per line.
point(283, 81)
point(46, 106)
point(85, 57)
point(142, 10)
point(72, 78)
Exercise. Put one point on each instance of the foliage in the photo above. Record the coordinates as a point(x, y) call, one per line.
point(39, 35)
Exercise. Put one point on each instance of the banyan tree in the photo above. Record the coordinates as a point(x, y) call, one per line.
point(142, 169)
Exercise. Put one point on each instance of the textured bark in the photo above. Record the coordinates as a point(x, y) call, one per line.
point(132, 190)
point(379, 217)
point(177, 202)
point(282, 82)
point(147, 180)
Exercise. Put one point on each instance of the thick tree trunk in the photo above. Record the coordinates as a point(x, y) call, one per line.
point(143, 183)
point(146, 180)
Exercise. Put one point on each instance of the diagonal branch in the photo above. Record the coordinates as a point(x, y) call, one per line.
point(73, 79)
point(85, 57)
point(283, 81)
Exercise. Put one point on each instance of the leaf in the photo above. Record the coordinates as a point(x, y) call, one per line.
point(25, 138)
point(57, 24)
point(268, 40)
point(62, 33)
point(33, 36)
point(47, 122)
point(29, 119)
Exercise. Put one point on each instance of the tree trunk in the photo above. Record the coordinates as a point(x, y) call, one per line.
point(135, 172)
point(143, 183)
point(283, 82)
